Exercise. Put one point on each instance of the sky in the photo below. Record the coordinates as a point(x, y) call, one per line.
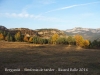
point(58, 14)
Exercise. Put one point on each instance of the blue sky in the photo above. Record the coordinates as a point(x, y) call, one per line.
point(59, 14)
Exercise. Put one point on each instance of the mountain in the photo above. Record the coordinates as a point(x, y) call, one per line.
point(24, 31)
point(43, 33)
point(47, 33)
point(3, 28)
point(87, 33)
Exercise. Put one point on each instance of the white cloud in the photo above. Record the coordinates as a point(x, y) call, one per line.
point(31, 16)
point(67, 7)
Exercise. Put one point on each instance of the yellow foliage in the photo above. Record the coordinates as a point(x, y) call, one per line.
point(79, 40)
point(31, 39)
point(18, 36)
point(1, 36)
point(54, 38)
point(86, 43)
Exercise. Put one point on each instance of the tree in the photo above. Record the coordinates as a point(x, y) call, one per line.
point(95, 44)
point(31, 39)
point(70, 39)
point(18, 36)
point(44, 41)
point(5, 34)
point(54, 38)
point(11, 38)
point(26, 39)
point(86, 43)
point(1, 36)
point(8, 37)
point(79, 40)
point(62, 40)
point(35, 40)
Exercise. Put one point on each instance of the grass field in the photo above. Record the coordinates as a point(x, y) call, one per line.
point(24, 55)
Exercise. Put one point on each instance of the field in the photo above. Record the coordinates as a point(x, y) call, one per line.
point(23, 56)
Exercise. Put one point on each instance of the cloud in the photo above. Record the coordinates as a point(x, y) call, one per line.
point(31, 16)
point(19, 15)
point(67, 7)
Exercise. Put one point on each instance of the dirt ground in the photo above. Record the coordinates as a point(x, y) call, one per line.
point(34, 59)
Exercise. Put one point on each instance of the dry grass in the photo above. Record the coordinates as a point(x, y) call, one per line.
point(25, 55)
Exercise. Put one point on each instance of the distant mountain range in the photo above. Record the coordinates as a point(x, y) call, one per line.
point(87, 33)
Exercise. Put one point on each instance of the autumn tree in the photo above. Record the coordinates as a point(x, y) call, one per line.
point(18, 36)
point(86, 43)
point(79, 40)
point(1, 36)
point(26, 39)
point(31, 39)
point(54, 38)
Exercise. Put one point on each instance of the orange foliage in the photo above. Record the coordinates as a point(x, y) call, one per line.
point(86, 43)
point(79, 40)
point(1, 36)
point(25, 38)
point(31, 39)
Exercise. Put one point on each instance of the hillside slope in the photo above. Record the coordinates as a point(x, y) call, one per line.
point(87, 33)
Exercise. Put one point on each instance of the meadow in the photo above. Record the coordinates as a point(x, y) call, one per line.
point(24, 55)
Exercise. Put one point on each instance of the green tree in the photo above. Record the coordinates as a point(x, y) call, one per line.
point(95, 44)
point(35, 40)
point(11, 38)
point(44, 41)
point(62, 40)
point(5, 34)
point(8, 37)
point(70, 40)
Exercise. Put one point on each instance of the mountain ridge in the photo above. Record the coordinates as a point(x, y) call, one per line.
point(87, 33)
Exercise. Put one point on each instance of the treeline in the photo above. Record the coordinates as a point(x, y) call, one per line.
point(55, 39)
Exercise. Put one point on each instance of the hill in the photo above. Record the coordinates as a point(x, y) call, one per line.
point(43, 33)
point(87, 33)
point(47, 33)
